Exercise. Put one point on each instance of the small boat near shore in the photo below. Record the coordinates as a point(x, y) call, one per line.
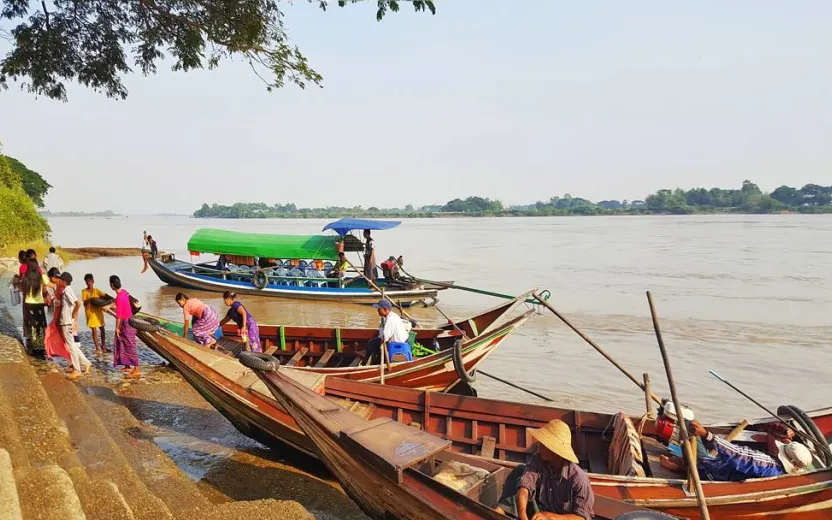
point(287, 266)
point(312, 355)
point(623, 464)
point(392, 470)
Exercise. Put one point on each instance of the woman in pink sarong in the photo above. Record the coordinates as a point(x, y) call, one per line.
point(125, 354)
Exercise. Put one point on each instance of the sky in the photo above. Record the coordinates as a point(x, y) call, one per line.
point(517, 101)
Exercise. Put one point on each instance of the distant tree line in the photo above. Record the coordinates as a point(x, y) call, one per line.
point(811, 198)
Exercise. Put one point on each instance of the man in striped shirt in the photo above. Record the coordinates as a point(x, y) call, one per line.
point(736, 463)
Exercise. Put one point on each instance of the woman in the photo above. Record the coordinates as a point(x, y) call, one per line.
point(125, 354)
point(248, 327)
point(206, 320)
point(33, 282)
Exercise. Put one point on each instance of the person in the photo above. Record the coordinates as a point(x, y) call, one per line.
point(53, 260)
point(125, 353)
point(21, 257)
point(734, 463)
point(240, 315)
point(392, 331)
point(206, 320)
point(154, 249)
point(66, 314)
point(340, 267)
point(94, 314)
point(552, 485)
point(369, 256)
point(222, 263)
point(33, 283)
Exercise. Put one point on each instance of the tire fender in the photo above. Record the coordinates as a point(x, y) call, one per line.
point(459, 365)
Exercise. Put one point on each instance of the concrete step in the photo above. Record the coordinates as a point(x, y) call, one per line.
point(101, 456)
point(47, 493)
point(102, 500)
point(267, 509)
point(9, 499)
point(159, 472)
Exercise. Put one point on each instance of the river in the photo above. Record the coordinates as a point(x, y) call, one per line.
point(747, 296)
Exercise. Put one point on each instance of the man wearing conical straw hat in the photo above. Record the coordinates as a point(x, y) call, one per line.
point(551, 485)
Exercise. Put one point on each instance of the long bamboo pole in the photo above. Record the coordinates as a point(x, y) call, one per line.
point(594, 345)
point(690, 454)
point(376, 287)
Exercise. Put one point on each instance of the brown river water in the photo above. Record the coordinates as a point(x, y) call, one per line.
point(747, 296)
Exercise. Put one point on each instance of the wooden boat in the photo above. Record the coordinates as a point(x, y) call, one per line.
point(620, 469)
point(239, 395)
point(395, 471)
point(287, 266)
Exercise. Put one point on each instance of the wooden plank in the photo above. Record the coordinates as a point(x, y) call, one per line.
point(488, 444)
point(595, 453)
point(391, 446)
point(271, 350)
point(325, 358)
point(297, 357)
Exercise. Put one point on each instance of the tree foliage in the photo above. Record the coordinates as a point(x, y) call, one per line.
point(20, 219)
point(97, 43)
point(33, 184)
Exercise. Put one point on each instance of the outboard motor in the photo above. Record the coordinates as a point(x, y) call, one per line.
point(666, 422)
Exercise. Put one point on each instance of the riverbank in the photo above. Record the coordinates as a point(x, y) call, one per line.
point(107, 448)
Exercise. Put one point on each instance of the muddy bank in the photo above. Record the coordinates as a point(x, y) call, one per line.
point(87, 253)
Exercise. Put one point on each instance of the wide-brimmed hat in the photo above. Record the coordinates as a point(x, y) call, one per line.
point(556, 437)
point(794, 456)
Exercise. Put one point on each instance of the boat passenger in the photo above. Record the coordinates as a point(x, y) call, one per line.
point(222, 263)
point(734, 463)
point(206, 320)
point(340, 267)
point(66, 316)
point(249, 331)
point(552, 484)
point(392, 331)
point(369, 256)
point(125, 353)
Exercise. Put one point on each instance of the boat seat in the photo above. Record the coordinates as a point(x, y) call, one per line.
point(625, 456)
point(391, 446)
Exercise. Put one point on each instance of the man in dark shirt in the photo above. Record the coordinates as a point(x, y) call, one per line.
point(552, 485)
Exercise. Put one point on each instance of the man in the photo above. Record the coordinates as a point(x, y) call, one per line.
point(67, 308)
point(369, 256)
point(392, 332)
point(552, 485)
point(734, 463)
point(340, 267)
point(53, 260)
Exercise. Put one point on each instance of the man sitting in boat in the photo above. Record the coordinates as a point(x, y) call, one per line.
point(737, 463)
point(552, 485)
point(340, 267)
point(392, 331)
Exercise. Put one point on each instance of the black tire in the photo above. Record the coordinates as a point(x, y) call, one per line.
point(644, 515)
point(812, 429)
point(260, 279)
point(459, 365)
point(259, 361)
point(101, 302)
point(142, 325)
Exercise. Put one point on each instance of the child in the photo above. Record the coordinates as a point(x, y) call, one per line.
point(94, 314)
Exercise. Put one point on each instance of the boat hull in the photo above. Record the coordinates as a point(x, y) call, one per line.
point(179, 277)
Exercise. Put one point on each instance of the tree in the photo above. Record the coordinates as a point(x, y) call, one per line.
point(34, 185)
point(20, 219)
point(787, 195)
point(92, 42)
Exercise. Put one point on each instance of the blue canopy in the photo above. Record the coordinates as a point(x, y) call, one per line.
point(345, 225)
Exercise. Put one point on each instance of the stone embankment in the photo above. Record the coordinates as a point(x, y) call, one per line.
point(74, 452)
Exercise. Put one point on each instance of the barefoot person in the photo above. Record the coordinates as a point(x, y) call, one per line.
point(94, 314)
point(206, 320)
point(551, 485)
point(240, 315)
point(33, 283)
point(67, 307)
point(125, 354)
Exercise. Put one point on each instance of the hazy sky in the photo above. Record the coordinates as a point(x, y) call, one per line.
point(515, 100)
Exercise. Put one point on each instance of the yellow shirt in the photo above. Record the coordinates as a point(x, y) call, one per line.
point(95, 315)
point(37, 299)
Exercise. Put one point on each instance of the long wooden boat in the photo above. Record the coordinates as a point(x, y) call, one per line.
point(287, 266)
point(239, 395)
point(395, 471)
point(620, 469)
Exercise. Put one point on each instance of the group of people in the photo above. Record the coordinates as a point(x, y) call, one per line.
point(45, 286)
point(202, 321)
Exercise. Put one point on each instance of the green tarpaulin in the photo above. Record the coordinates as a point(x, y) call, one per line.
point(222, 242)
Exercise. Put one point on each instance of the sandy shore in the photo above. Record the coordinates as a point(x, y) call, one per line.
point(87, 253)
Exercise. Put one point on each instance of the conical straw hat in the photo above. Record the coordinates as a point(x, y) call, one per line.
point(555, 435)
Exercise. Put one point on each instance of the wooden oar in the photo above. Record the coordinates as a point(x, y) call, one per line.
point(594, 345)
point(687, 448)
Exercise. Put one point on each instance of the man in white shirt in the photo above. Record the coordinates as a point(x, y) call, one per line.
point(392, 332)
point(53, 260)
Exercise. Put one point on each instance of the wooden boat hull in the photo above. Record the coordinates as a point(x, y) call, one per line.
point(178, 276)
point(234, 390)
